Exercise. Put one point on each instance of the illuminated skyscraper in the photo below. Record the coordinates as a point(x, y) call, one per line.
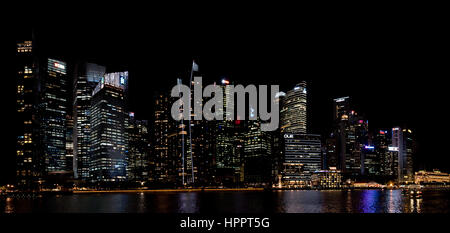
point(162, 169)
point(53, 110)
point(109, 137)
point(382, 145)
point(351, 135)
point(228, 142)
point(403, 141)
point(302, 157)
point(87, 76)
point(294, 110)
point(29, 163)
point(258, 154)
point(139, 150)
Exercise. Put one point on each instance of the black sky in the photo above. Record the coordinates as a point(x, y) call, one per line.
point(392, 69)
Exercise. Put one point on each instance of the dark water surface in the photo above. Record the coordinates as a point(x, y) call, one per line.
point(298, 201)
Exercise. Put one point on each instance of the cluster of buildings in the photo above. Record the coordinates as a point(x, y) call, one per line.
point(74, 124)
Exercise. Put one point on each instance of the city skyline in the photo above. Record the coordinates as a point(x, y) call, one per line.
point(139, 87)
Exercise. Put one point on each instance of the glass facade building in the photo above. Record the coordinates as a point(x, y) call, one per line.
point(302, 157)
point(87, 77)
point(53, 110)
point(139, 150)
point(109, 137)
point(293, 112)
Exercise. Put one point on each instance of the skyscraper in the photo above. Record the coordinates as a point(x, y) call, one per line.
point(382, 142)
point(109, 137)
point(87, 77)
point(228, 141)
point(403, 140)
point(162, 169)
point(138, 150)
point(258, 153)
point(53, 110)
point(302, 157)
point(293, 111)
point(29, 162)
point(351, 133)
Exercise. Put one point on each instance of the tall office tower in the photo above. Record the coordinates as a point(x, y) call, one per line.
point(193, 142)
point(293, 110)
point(382, 142)
point(69, 143)
point(138, 150)
point(53, 110)
point(109, 137)
point(277, 156)
point(403, 140)
point(302, 157)
point(29, 163)
point(392, 158)
point(162, 169)
point(341, 110)
point(228, 142)
point(257, 154)
point(87, 77)
point(351, 133)
point(372, 163)
point(356, 134)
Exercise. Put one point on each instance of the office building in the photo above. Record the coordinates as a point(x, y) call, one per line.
point(258, 153)
point(53, 110)
point(302, 157)
point(162, 168)
point(293, 111)
point(87, 77)
point(228, 141)
point(29, 162)
point(109, 137)
point(403, 140)
point(351, 135)
point(138, 150)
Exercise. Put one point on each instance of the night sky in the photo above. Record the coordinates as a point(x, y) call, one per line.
point(390, 69)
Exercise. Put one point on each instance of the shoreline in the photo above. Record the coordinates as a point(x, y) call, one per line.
point(165, 190)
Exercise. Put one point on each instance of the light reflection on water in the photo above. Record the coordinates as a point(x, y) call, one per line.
point(298, 201)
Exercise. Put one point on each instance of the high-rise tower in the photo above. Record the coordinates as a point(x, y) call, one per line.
point(53, 110)
point(109, 137)
point(294, 110)
point(87, 77)
point(29, 163)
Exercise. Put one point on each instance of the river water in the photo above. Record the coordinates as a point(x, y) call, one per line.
point(296, 201)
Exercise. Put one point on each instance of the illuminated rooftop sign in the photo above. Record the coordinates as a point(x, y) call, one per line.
point(117, 79)
point(56, 66)
point(59, 65)
point(342, 99)
point(393, 148)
